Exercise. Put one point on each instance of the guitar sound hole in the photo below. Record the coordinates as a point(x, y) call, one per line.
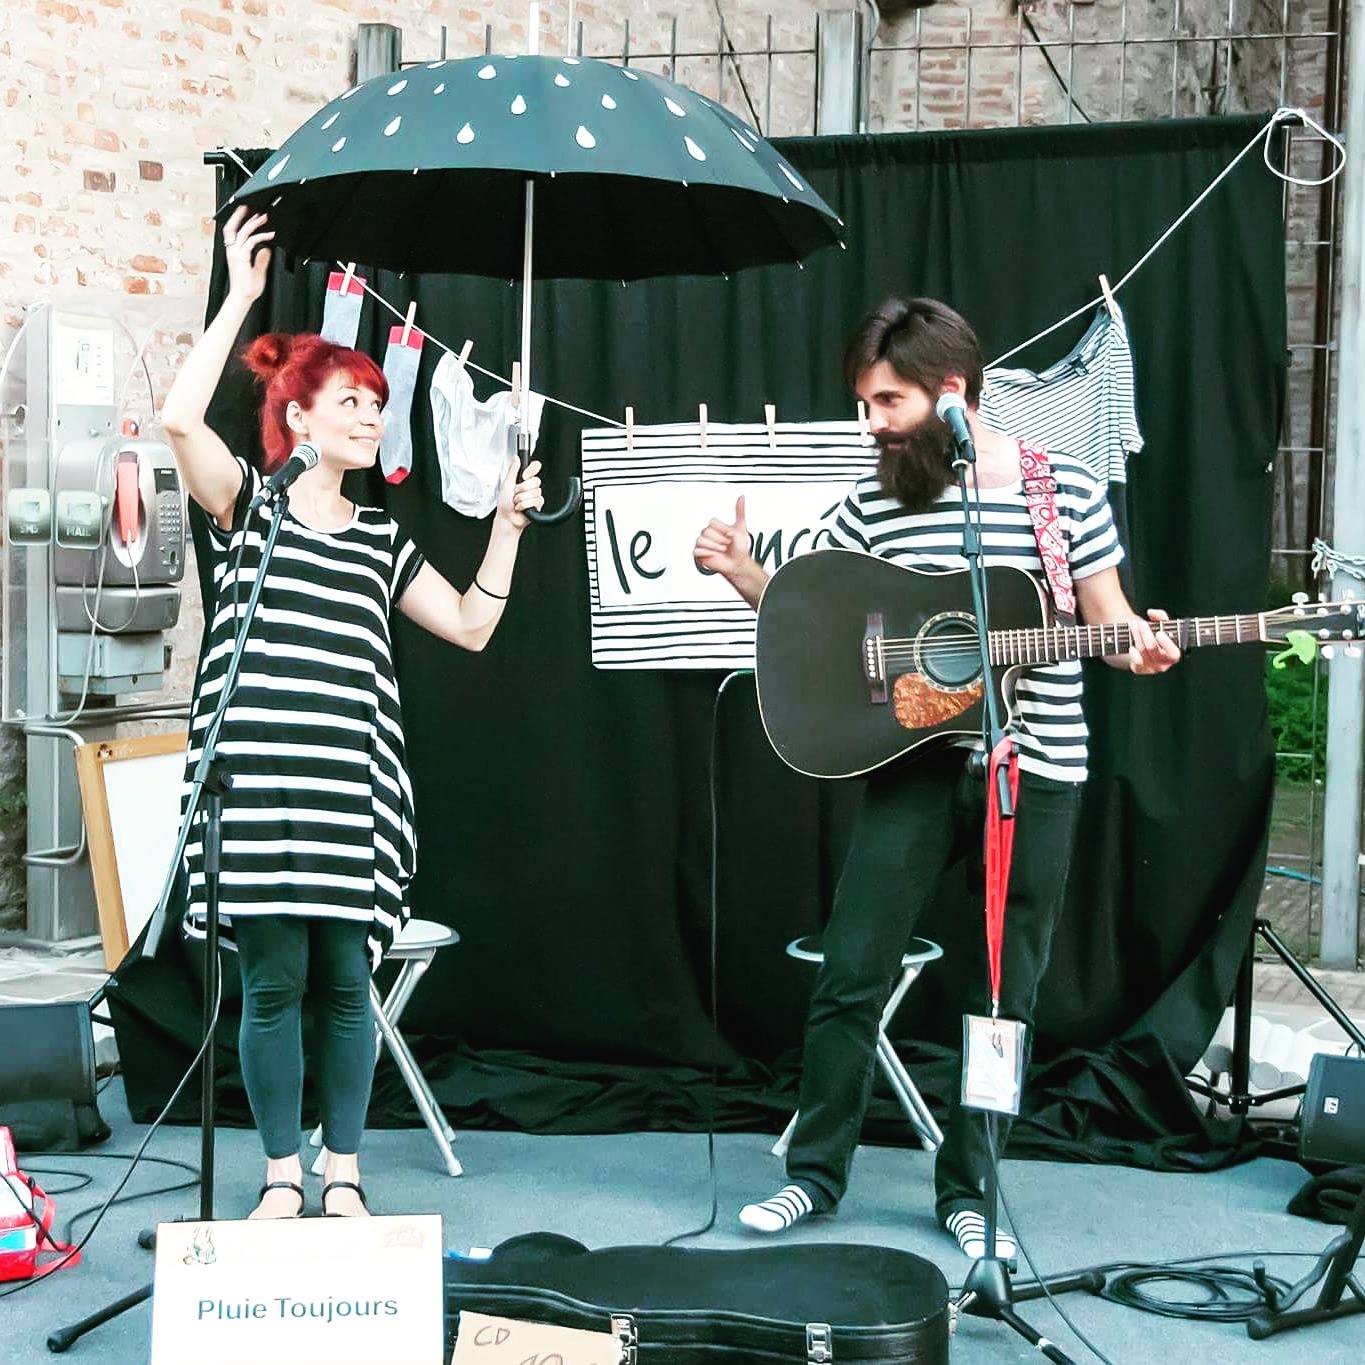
point(947, 651)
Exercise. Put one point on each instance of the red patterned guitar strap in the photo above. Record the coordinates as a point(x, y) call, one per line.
point(1040, 492)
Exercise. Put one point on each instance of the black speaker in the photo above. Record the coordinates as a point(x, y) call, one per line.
point(47, 1076)
point(1333, 1124)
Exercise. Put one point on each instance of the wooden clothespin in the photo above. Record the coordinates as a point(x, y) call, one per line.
point(407, 323)
point(630, 430)
point(1108, 293)
point(463, 357)
point(516, 383)
point(701, 425)
point(864, 431)
point(347, 278)
point(770, 418)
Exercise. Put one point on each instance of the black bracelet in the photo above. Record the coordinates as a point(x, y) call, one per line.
point(500, 596)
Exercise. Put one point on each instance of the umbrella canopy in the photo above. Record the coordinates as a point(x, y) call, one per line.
point(635, 176)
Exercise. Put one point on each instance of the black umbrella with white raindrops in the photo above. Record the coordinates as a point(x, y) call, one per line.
point(534, 165)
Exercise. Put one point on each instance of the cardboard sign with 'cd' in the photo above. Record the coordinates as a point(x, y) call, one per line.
point(485, 1340)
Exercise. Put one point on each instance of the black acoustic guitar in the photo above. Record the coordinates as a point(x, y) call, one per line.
point(859, 661)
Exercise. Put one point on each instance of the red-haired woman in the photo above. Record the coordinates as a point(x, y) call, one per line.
point(317, 832)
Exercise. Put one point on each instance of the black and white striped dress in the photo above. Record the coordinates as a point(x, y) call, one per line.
point(319, 821)
point(1050, 727)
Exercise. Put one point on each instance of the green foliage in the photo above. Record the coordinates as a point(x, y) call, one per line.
point(13, 803)
point(1289, 692)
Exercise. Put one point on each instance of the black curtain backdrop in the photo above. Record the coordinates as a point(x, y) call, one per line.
point(563, 812)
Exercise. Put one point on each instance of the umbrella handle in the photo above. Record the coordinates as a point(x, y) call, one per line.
point(572, 502)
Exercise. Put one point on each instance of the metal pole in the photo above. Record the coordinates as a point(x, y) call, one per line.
point(528, 229)
point(1346, 694)
point(526, 262)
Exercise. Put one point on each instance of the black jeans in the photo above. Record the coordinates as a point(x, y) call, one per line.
point(915, 820)
point(281, 957)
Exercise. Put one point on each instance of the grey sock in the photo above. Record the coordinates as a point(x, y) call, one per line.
point(400, 369)
point(341, 312)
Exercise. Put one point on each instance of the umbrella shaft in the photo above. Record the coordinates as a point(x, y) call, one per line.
point(526, 282)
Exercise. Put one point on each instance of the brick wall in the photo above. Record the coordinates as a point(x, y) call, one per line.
point(106, 109)
point(107, 106)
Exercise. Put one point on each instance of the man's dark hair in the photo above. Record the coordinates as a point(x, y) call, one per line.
point(924, 340)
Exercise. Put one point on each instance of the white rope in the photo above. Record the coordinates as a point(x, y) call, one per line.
point(402, 317)
point(1328, 560)
point(1282, 115)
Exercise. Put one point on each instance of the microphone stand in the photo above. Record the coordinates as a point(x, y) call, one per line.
point(988, 1291)
point(211, 783)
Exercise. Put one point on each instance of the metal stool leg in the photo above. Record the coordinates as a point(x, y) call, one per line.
point(409, 974)
point(416, 1083)
point(907, 1095)
point(785, 1141)
point(911, 1101)
point(397, 1003)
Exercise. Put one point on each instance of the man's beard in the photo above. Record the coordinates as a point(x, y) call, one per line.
point(915, 466)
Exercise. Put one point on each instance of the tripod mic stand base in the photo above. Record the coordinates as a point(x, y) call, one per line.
point(1266, 1324)
point(66, 1337)
point(990, 1293)
point(987, 1288)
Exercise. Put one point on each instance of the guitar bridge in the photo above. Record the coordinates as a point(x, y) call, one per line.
point(874, 659)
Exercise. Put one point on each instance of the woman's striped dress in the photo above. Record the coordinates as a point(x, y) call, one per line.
point(319, 820)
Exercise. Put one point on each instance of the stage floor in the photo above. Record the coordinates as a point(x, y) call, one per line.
point(644, 1187)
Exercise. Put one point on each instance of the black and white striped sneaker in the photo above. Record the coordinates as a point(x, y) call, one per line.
point(788, 1206)
point(969, 1227)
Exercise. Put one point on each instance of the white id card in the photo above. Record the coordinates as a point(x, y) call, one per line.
point(992, 1063)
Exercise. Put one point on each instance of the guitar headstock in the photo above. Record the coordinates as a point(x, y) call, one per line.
point(1326, 622)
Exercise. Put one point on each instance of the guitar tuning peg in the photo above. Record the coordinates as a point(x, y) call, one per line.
point(1328, 651)
point(1299, 598)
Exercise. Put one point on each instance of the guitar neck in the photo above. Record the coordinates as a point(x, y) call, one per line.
point(1049, 644)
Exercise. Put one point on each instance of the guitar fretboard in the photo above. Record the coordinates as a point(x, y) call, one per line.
point(1048, 644)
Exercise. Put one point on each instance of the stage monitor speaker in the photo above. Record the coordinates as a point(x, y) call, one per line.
point(1333, 1124)
point(47, 1076)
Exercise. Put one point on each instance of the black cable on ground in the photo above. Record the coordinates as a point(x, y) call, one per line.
point(714, 1100)
point(1230, 1294)
point(81, 1214)
point(1028, 1260)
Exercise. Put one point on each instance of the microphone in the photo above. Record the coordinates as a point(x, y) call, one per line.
point(301, 459)
point(952, 409)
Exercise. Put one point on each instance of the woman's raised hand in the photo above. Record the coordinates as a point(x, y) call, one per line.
point(247, 266)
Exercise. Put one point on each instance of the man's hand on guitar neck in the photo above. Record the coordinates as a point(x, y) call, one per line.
point(1102, 601)
point(726, 548)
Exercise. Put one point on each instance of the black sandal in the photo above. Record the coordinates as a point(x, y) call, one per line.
point(342, 1185)
point(285, 1185)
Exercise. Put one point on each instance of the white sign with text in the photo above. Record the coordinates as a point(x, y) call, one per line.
point(647, 497)
point(348, 1291)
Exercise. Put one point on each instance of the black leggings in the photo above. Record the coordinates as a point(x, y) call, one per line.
point(281, 956)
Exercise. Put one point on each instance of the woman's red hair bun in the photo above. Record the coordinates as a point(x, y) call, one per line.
point(268, 355)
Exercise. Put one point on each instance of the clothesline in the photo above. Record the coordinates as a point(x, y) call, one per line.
point(1282, 115)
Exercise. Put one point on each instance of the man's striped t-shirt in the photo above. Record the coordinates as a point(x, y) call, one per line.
point(1050, 725)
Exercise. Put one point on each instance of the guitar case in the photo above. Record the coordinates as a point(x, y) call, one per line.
point(815, 1302)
